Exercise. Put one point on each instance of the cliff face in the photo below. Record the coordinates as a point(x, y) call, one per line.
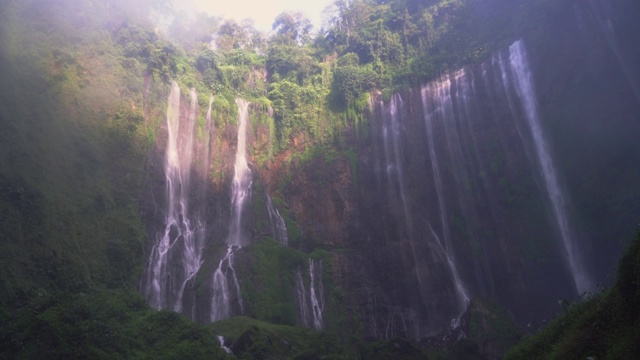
point(453, 203)
point(586, 85)
point(458, 160)
point(502, 180)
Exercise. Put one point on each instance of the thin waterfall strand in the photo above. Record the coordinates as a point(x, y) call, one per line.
point(278, 227)
point(524, 89)
point(439, 92)
point(240, 193)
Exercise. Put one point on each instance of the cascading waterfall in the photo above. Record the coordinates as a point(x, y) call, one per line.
point(438, 105)
point(431, 261)
point(240, 193)
point(312, 306)
point(176, 256)
point(221, 301)
point(302, 299)
point(242, 179)
point(394, 170)
point(455, 132)
point(278, 227)
point(480, 175)
point(222, 345)
point(316, 295)
point(524, 88)
point(205, 143)
point(441, 107)
point(427, 243)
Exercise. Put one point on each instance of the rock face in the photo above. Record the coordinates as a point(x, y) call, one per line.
point(454, 204)
point(588, 103)
point(480, 184)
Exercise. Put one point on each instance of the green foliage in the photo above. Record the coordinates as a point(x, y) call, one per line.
point(244, 36)
point(348, 59)
point(237, 71)
point(254, 339)
point(100, 324)
point(233, 76)
point(72, 156)
point(206, 60)
point(285, 98)
point(292, 28)
point(268, 281)
point(162, 59)
point(350, 82)
point(224, 110)
point(291, 62)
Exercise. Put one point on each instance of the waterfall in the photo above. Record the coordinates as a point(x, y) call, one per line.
point(394, 170)
point(302, 299)
point(316, 295)
point(176, 256)
point(205, 143)
point(439, 284)
point(240, 193)
point(441, 106)
point(242, 179)
point(474, 196)
point(436, 99)
point(311, 307)
point(278, 227)
point(524, 88)
point(225, 348)
point(221, 301)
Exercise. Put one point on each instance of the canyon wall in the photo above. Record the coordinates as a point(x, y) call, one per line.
point(505, 180)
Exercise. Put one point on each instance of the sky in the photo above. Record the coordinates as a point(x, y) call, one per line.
point(263, 12)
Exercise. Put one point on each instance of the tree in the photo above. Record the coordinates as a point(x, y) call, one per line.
point(351, 81)
point(345, 18)
point(292, 28)
point(292, 62)
point(232, 36)
point(206, 60)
